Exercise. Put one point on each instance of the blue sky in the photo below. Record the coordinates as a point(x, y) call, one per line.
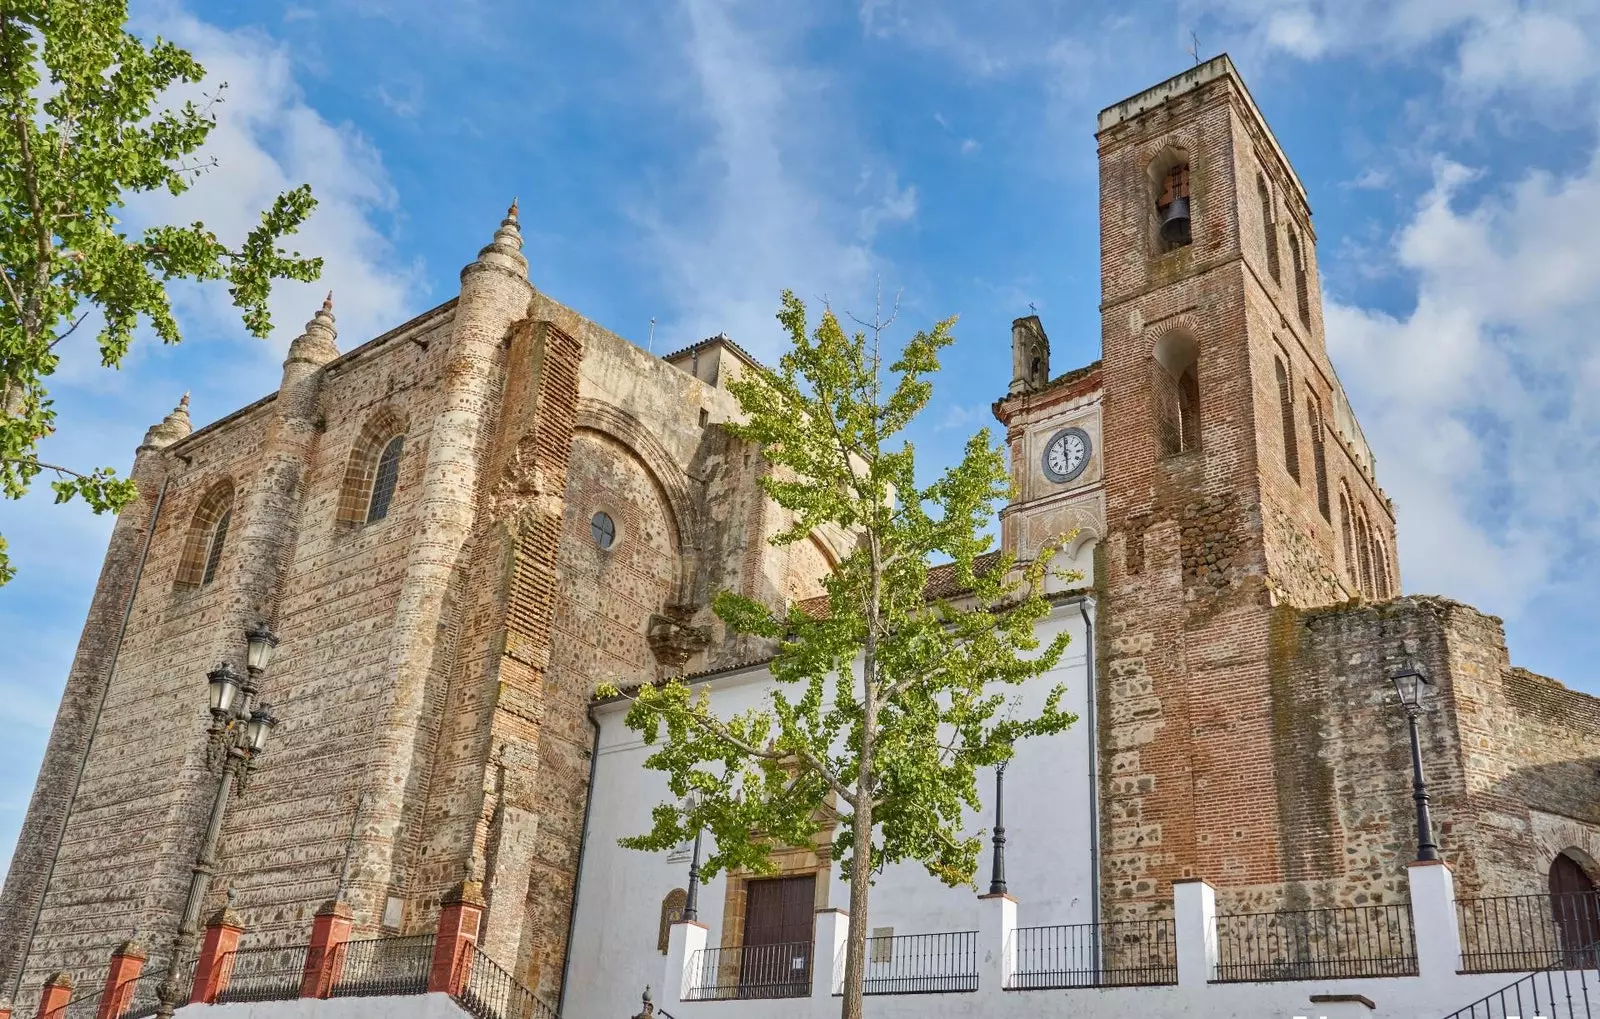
point(686, 160)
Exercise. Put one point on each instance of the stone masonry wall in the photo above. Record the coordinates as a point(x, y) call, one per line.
point(1499, 746)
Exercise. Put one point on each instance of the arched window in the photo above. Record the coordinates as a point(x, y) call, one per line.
point(1301, 297)
point(1364, 554)
point(383, 483)
point(1269, 228)
point(374, 470)
point(1175, 394)
point(1169, 182)
point(208, 536)
point(1291, 442)
point(1319, 460)
point(1380, 566)
point(1347, 528)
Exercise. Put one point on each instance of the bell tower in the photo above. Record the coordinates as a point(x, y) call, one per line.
point(1230, 453)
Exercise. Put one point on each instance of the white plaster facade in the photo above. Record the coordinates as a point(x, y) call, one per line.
point(1050, 819)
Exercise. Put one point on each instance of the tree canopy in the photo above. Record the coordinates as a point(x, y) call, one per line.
point(84, 126)
point(885, 707)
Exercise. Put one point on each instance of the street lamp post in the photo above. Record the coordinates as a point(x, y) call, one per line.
point(236, 738)
point(1411, 686)
point(997, 872)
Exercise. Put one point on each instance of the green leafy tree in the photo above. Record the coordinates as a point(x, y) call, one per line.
point(83, 127)
point(884, 709)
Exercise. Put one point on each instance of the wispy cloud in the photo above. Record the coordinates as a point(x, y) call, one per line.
point(268, 139)
point(1478, 400)
point(767, 210)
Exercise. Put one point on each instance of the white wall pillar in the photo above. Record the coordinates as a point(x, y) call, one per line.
point(1433, 917)
point(997, 943)
point(685, 940)
point(1194, 905)
point(827, 952)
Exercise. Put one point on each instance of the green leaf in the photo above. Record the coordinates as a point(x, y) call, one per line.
point(82, 129)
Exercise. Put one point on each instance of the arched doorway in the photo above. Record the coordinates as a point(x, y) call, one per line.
point(1575, 907)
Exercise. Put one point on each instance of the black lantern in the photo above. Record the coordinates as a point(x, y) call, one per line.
point(1412, 686)
point(262, 721)
point(261, 642)
point(224, 683)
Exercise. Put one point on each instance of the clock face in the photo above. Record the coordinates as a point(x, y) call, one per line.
point(1066, 454)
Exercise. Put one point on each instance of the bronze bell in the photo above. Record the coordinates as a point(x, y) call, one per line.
point(1175, 222)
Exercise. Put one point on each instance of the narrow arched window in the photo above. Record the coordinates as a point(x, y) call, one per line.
point(1347, 528)
point(1291, 443)
point(1364, 554)
point(219, 537)
point(373, 474)
point(1269, 228)
point(384, 481)
point(1175, 394)
point(207, 538)
point(1380, 566)
point(1319, 460)
point(1301, 297)
point(1172, 208)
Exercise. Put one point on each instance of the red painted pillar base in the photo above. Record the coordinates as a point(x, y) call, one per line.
point(55, 995)
point(215, 965)
point(458, 936)
point(127, 962)
point(330, 929)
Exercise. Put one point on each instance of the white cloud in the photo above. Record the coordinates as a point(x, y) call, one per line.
point(267, 140)
point(768, 210)
point(1479, 401)
point(1498, 45)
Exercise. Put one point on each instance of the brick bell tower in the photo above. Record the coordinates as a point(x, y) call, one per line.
point(1229, 485)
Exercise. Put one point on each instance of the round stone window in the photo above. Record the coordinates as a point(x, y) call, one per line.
point(603, 529)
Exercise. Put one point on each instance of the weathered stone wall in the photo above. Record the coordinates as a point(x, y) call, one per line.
point(436, 665)
point(1503, 749)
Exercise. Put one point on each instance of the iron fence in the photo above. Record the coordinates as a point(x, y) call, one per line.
point(262, 974)
point(922, 963)
point(381, 966)
point(1317, 944)
point(1507, 933)
point(492, 993)
point(1123, 954)
point(751, 972)
point(1568, 990)
point(144, 994)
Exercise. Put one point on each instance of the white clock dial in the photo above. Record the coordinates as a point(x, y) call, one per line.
point(1066, 454)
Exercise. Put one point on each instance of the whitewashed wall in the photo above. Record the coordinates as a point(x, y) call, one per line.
point(1050, 827)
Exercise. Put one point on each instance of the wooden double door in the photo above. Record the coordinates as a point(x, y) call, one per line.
point(1575, 905)
point(779, 919)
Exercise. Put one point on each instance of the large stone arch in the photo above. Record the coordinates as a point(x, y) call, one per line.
point(625, 429)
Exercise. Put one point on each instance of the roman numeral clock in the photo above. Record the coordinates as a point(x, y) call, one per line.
point(1066, 455)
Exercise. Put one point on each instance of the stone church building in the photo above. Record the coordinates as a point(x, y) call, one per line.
point(460, 528)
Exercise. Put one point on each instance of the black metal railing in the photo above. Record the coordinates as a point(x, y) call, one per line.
point(1564, 991)
point(144, 996)
point(1507, 933)
point(263, 974)
point(1123, 954)
point(751, 972)
point(922, 963)
point(491, 993)
point(380, 966)
point(1317, 944)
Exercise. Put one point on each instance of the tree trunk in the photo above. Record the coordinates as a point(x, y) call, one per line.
point(855, 953)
